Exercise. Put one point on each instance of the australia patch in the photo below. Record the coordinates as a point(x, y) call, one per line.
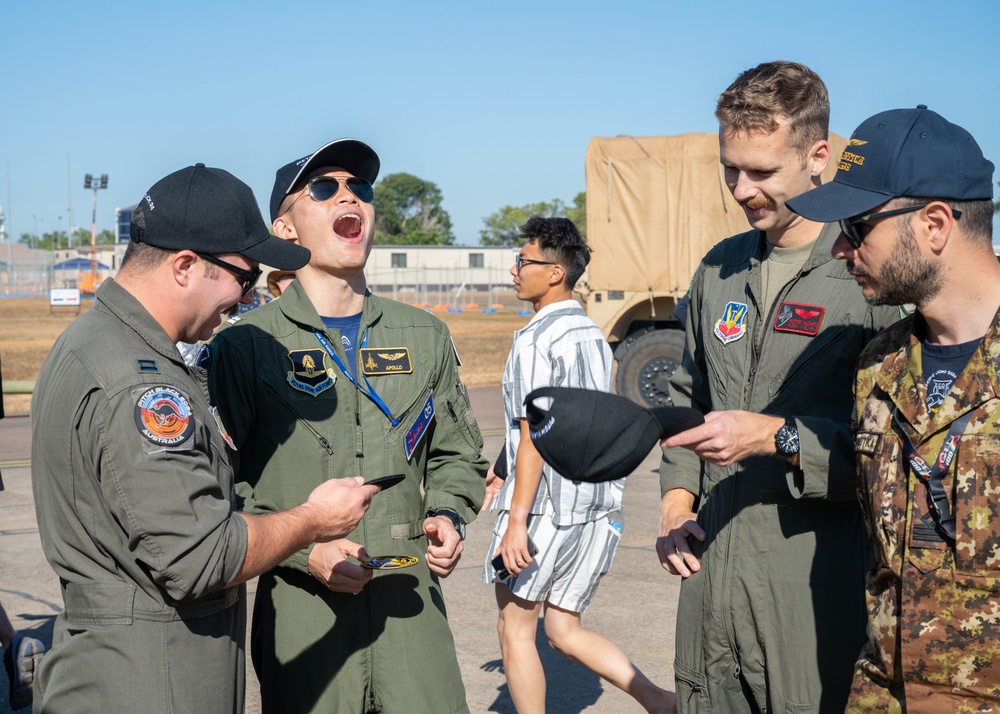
point(310, 373)
point(416, 432)
point(800, 319)
point(385, 360)
point(163, 416)
point(732, 326)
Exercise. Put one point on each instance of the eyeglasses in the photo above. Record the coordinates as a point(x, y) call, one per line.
point(248, 278)
point(519, 262)
point(323, 188)
point(850, 225)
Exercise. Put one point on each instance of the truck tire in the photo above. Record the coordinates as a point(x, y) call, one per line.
point(646, 361)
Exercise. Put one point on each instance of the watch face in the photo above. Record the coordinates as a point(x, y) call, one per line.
point(787, 440)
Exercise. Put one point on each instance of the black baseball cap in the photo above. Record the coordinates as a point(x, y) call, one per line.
point(901, 152)
point(592, 436)
point(349, 154)
point(211, 211)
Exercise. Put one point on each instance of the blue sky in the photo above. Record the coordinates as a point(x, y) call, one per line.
point(494, 102)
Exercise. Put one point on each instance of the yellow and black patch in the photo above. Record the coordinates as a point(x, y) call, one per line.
point(386, 360)
point(310, 373)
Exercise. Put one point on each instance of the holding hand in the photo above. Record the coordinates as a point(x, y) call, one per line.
point(328, 563)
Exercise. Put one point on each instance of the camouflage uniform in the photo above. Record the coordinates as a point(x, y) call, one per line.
point(933, 607)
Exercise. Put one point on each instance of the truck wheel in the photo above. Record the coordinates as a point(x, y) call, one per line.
point(646, 362)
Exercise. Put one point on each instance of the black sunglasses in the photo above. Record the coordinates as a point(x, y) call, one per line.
point(248, 278)
point(849, 226)
point(519, 261)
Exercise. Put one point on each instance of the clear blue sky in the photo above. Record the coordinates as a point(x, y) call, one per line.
point(494, 102)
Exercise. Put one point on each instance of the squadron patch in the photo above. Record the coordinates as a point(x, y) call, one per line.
point(385, 360)
point(163, 416)
point(310, 373)
point(732, 326)
point(800, 319)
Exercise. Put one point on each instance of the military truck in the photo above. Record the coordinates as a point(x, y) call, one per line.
point(655, 206)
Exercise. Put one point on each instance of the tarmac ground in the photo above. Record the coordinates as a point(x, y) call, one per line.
point(635, 606)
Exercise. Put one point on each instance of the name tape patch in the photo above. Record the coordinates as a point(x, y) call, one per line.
point(416, 432)
point(385, 360)
point(799, 319)
point(865, 442)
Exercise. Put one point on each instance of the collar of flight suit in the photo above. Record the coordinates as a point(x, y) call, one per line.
point(123, 305)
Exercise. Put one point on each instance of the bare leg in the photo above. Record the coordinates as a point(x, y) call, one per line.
point(601, 656)
point(516, 626)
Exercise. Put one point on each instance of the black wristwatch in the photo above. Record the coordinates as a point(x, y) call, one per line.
point(786, 441)
point(448, 513)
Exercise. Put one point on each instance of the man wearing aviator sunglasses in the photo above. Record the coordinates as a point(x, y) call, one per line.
point(332, 381)
point(925, 418)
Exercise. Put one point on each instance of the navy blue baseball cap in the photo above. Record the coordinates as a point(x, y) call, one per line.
point(349, 154)
point(901, 152)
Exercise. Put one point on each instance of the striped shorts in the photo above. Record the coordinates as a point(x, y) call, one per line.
point(570, 563)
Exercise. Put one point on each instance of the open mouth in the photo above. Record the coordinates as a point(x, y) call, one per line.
point(348, 226)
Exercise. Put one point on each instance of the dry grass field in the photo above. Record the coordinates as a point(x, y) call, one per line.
point(28, 329)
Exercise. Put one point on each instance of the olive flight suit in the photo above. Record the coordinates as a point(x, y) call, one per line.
point(297, 421)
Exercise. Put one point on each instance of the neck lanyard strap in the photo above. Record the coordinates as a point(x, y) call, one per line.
point(367, 390)
point(932, 475)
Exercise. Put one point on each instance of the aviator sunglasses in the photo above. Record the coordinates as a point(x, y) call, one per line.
point(323, 188)
point(248, 278)
point(850, 225)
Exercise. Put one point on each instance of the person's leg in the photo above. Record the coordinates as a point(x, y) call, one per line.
point(7, 630)
point(598, 654)
point(516, 626)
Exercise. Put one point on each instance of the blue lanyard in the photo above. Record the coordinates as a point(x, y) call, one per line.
point(367, 390)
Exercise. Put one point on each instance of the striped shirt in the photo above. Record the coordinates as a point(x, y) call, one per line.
point(559, 347)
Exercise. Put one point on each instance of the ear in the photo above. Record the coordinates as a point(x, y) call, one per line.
point(938, 222)
point(818, 157)
point(284, 228)
point(557, 274)
point(181, 266)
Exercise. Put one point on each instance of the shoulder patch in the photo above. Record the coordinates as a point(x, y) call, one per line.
point(386, 360)
point(204, 357)
point(163, 416)
point(147, 366)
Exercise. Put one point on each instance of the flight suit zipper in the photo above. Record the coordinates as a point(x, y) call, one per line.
point(323, 441)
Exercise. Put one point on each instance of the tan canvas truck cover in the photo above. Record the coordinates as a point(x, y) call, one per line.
point(656, 205)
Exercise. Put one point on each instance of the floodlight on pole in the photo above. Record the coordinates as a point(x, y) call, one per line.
point(90, 182)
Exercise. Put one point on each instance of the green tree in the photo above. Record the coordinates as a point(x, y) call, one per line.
point(408, 211)
point(503, 228)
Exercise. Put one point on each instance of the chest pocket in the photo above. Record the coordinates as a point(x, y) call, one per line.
point(882, 492)
point(977, 505)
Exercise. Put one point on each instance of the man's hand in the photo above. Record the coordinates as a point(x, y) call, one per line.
point(514, 547)
point(444, 546)
point(338, 506)
point(328, 563)
point(493, 485)
point(727, 437)
point(677, 522)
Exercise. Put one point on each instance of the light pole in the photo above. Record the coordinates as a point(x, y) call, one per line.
point(90, 182)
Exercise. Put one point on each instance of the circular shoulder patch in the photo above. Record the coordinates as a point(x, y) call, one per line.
point(163, 416)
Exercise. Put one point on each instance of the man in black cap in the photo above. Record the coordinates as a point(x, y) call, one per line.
point(332, 380)
point(771, 609)
point(130, 469)
point(913, 194)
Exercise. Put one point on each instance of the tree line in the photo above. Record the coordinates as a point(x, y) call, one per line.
point(408, 211)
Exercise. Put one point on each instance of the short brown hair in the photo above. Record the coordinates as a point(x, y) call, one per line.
point(759, 96)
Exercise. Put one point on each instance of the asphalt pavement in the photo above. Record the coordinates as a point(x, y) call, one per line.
point(635, 606)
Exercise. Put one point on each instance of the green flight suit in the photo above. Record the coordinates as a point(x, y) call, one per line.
point(778, 604)
point(134, 497)
point(933, 604)
point(297, 421)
